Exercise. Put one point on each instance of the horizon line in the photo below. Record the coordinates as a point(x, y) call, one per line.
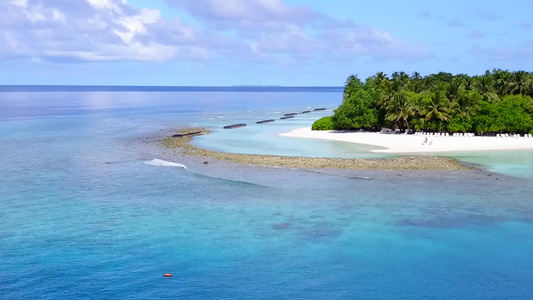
point(140, 88)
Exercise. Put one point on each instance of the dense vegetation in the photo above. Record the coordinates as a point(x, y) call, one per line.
point(498, 101)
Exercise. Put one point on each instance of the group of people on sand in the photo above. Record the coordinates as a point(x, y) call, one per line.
point(426, 141)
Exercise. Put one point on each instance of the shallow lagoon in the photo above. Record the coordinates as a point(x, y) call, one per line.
point(83, 215)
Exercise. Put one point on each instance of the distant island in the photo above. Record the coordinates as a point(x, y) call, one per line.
point(498, 101)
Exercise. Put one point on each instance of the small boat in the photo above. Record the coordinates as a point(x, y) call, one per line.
point(291, 114)
point(286, 117)
point(167, 275)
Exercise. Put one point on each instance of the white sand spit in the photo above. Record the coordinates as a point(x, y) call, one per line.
point(404, 143)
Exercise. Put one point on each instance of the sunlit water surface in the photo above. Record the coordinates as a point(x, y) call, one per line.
point(87, 213)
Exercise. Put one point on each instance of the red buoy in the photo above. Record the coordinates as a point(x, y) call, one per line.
point(167, 275)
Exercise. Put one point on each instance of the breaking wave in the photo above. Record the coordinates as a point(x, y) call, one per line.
point(163, 163)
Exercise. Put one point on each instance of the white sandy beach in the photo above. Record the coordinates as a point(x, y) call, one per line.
point(403, 143)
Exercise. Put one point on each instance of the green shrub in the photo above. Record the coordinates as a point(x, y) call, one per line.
point(324, 123)
point(458, 124)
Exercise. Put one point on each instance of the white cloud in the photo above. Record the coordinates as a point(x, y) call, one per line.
point(292, 40)
point(93, 30)
point(10, 41)
point(376, 43)
point(21, 3)
point(272, 27)
point(113, 5)
point(239, 30)
point(504, 52)
point(136, 25)
point(246, 13)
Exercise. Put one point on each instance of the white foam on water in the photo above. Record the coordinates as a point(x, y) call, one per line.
point(163, 163)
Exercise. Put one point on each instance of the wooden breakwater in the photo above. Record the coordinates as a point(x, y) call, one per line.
point(285, 117)
point(188, 133)
point(265, 121)
point(234, 126)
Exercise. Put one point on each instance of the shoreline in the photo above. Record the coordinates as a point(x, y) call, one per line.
point(404, 144)
point(181, 142)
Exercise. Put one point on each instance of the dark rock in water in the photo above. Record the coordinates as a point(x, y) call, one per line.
point(234, 126)
point(206, 162)
point(306, 111)
point(281, 226)
point(265, 121)
point(287, 117)
point(322, 108)
point(322, 233)
point(187, 134)
point(291, 114)
point(451, 222)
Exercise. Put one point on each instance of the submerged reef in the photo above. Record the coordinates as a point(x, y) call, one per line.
point(181, 141)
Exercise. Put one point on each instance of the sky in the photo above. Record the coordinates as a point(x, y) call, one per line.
point(256, 42)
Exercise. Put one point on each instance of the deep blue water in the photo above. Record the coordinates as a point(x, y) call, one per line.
point(85, 213)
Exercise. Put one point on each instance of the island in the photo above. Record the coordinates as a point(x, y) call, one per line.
point(410, 114)
point(497, 102)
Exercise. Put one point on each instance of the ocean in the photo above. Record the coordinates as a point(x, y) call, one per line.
point(91, 207)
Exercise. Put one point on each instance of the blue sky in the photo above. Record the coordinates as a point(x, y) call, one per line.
point(256, 42)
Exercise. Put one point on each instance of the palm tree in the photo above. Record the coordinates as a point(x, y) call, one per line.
point(399, 110)
point(467, 104)
point(438, 107)
point(395, 75)
point(502, 78)
point(417, 85)
point(519, 83)
point(352, 84)
point(392, 89)
point(455, 88)
point(381, 79)
point(404, 76)
point(484, 85)
point(401, 77)
point(529, 90)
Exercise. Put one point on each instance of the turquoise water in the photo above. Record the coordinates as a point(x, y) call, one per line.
point(512, 163)
point(85, 214)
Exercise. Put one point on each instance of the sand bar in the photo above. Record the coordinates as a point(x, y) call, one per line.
point(181, 143)
point(404, 143)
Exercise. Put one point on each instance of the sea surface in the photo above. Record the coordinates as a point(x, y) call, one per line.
point(91, 207)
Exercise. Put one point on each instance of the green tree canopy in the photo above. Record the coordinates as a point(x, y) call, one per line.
point(497, 101)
